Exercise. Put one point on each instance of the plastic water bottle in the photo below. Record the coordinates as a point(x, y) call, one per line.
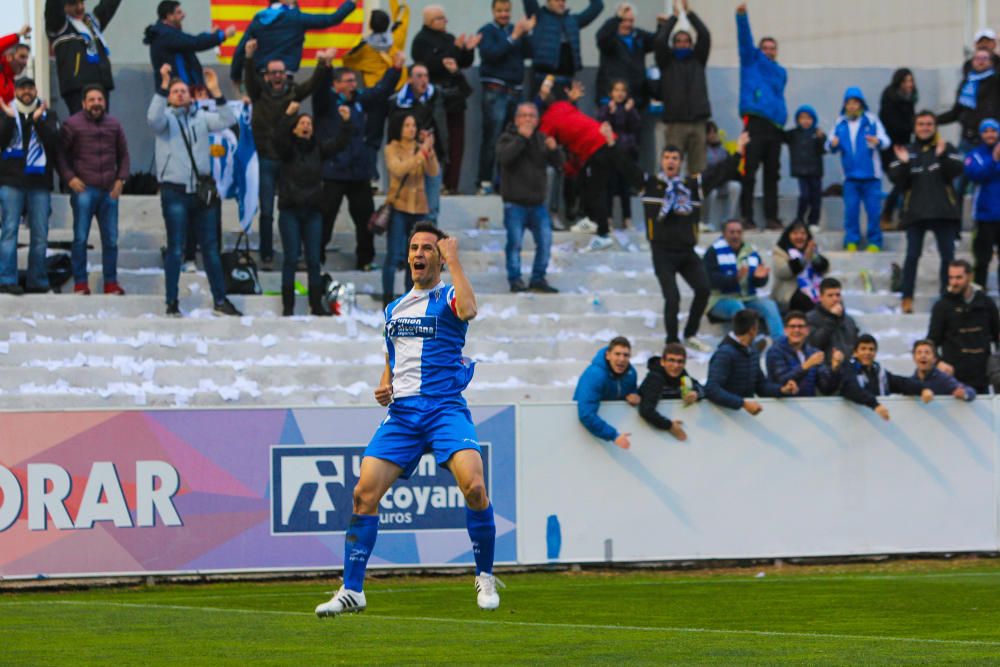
point(553, 537)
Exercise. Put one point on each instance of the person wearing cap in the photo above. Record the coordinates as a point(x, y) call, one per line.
point(982, 166)
point(984, 39)
point(858, 136)
point(81, 49)
point(29, 140)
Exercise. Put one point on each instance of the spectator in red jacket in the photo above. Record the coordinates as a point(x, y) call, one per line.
point(593, 153)
point(94, 162)
point(13, 60)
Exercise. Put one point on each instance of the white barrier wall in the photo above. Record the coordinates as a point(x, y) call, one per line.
point(804, 478)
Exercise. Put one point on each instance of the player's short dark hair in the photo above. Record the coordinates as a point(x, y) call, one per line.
point(619, 341)
point(866, 339)
point(417, 64)
point(672, 148)
point(760, 44)
point(94, 86)
point(341, 72)
point(829, 283)
point(675, 349)
point(960, 264)
point(615, 82)
point(926, 112)
point(710, 126)
point(166, 8)
point(22, 45)
point(427, 227)
point(924, 341)
point(498, 2)
point(732, 221)
point(794, 315)
point(745, 321)
point(677, 34)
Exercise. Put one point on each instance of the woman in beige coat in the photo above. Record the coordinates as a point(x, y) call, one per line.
point(798, 269)
point(407, 159)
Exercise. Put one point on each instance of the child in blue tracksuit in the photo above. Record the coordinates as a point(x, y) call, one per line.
point(982, 167)
point(603, 382)
point(858, 136)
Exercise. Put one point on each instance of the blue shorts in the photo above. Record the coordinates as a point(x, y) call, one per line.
point(416, 425)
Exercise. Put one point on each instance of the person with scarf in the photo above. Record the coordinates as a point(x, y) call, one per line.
point(270, 94)
point(683, 86)
point(94, 162)
point(623, 48)
point(896, 111)
point(300, 199)
point(183, 157)
point(977, 98)
point(671, 207)
point(13, 59)
point(798, 269)
point(422, 99)
point(29, 139)
point(864, 380)
point(925, 171)
point(168, 43)
point(76, 36)
point(280, 32)
point(858, 136)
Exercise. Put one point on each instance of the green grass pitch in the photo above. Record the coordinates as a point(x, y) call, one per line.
point(903, 612)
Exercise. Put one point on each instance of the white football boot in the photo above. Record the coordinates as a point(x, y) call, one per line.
point(486, 591)
point(344, 602)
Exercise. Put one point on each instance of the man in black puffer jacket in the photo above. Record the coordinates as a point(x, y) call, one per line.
point(965, 326)
point(300, 198)
point(668, 380)
point(81, 50)
point(623, 49)
point(683, 86)
point(924, 172)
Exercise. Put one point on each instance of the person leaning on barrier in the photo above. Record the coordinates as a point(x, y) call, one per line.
point(942, 384)
point(864, 379)
point(793, 358)
point(667, 379)
point(610, 377)
point(734, 373)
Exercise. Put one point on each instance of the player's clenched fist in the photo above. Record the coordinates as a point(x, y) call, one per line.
point(383, 394)
point(448, 247)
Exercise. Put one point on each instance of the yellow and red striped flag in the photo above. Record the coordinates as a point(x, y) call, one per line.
point(343, 37)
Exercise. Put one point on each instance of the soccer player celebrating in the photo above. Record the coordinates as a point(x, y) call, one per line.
point(422, 384)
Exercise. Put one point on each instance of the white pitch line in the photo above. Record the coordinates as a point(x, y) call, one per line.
point(530, 624)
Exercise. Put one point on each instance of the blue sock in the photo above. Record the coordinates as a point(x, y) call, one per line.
point(358, 545)
point(483, 533)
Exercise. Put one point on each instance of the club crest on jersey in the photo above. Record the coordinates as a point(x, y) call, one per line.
point(412, 327)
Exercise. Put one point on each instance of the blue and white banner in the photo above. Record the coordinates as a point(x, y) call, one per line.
point(246, 172)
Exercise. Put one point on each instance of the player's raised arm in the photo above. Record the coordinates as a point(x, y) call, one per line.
point(465, 298)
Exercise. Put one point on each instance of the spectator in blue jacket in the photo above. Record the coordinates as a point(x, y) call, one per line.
point(346, 173)
point(280, 31)
point(792, 358)
point(734, 373)
point(168, 43)
point(762, 106)
point(859, 137)
point(864, 380)
point(982, 166)
point(555, 41)
point(610, 377)
point(735, 272)
point(927, 372)
point(502, 50)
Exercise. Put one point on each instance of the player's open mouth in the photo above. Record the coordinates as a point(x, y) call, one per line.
point(419, 266)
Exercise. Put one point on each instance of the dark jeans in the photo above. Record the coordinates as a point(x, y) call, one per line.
point(619, 187)
point(400, 226)
point(456, 147)
point(360, 205)
point(37, 205)
point(535, 218)
point(268, 189)
point(667, 263)
point(191, 245)
point(498, 111)
point(764, 149)
point(595, 179)
point(945, 233)
point(87, 204)
point(987, 238)
point(810, 199)
point(179, 208)
point(300, 226)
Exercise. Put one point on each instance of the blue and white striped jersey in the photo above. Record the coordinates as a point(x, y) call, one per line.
point(424, 339)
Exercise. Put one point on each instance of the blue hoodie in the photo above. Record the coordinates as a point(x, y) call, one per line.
point(599, 383)
point(981, 168)
point(762, 80)
point(858, 159)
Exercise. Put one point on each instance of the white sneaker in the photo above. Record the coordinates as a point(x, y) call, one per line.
point(344, 602)
point(697, 345)
point(584, 225)
point(486, 591)
point(598, 243)
point(189, 267)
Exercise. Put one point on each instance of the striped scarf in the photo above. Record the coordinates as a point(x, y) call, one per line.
point(808, 280)
point(35, 160)
point(676, 196)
